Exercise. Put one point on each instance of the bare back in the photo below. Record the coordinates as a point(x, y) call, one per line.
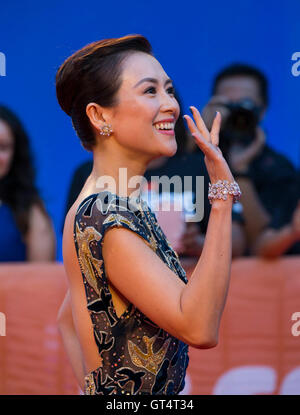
point(83, 324)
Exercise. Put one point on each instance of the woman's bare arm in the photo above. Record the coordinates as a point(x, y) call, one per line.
point(40, 239)
point(190, 312)
point(203, 298)
point(70, 340)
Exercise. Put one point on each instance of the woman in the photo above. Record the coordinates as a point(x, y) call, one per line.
point(130, 313)
point(26, 230)
point(84, 169)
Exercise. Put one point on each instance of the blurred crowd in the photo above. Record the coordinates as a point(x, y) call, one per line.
point(265, 222)
point(27, 232)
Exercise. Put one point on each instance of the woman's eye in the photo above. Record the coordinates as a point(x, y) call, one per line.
point(171, 90)
point(150, 90)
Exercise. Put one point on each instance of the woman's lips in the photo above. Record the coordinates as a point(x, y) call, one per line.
point(165, 126)
point(166, 132)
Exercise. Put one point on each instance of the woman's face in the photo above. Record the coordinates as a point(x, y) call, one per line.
point(146, 113)
point(6, 148)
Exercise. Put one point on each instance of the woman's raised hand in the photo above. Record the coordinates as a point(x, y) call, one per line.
point(208, 143)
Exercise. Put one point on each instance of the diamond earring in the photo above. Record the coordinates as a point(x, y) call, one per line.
point(106, 129)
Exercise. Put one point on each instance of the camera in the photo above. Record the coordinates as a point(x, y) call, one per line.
point(240, 125)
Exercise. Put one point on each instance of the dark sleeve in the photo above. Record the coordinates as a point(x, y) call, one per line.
point(275, 180)
point(285, 217)
point(285, 205)
point(97, 215)
point(237, 213)
point(94, 217)
point(122, 218)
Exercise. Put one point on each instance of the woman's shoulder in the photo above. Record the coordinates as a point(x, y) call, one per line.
point(99, 211)
point(75, 209)
point(97, 206)
point(89, 219)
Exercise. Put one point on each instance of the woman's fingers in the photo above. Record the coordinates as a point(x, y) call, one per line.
point(200, 123)
point(215, 129)
point(192, 126)
point(200, 140)
point(203, 138)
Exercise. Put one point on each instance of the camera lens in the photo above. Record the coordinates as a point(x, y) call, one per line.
point(241, 123)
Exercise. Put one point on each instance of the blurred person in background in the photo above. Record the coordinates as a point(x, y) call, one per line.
point(282, 236)
point(266, 177)
point(26, 229)
point(185, 162)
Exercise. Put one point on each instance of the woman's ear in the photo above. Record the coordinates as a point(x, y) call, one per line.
point(94, 113)
point(99, 118)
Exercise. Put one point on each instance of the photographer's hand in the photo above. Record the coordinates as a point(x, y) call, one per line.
point(192, 240)
point(217, 103)
point(272, 243)
point(239, 156)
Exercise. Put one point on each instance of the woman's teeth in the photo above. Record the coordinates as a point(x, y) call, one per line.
point(165, 126)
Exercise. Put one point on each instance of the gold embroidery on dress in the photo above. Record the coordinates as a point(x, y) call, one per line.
point(90, 387)
point(149, 360)
point(112, 204)
point(86, 259)
point(153, 242)
point(119, 219)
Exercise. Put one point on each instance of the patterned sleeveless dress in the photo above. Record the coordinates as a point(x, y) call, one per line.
point(138, 357)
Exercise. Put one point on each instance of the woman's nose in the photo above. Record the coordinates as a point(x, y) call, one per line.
point(169, 104)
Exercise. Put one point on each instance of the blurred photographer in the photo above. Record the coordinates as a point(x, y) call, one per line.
point(267, 179)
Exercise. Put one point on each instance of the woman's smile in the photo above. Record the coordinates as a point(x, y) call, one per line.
point(165, 126)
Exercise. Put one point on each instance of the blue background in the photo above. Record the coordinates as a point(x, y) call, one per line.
point(193, 40)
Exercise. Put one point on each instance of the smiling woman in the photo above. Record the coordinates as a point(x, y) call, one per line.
point(130, 313)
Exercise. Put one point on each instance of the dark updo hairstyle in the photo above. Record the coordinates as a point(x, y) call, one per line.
point(93, 74)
